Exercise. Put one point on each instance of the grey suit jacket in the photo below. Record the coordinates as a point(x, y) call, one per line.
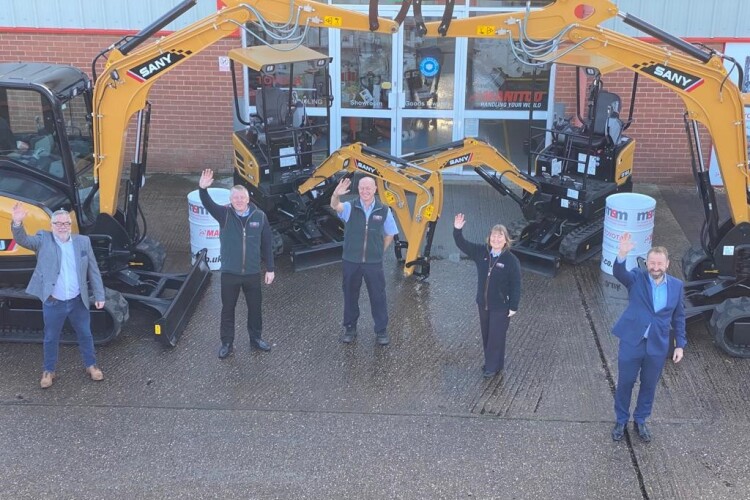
point(48, 264)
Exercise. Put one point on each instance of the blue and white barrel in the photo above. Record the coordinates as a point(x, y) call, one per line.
point(204, 229)
point(627, 213)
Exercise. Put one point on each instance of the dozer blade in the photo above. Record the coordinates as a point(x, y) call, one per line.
point(170, 326)
point(535, 261)
point(175, 308)
point(309, 257)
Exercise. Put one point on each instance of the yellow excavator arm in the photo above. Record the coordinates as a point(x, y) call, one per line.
point(572, 29)
point(395, 179)
point(476, 153)
point(122, 89)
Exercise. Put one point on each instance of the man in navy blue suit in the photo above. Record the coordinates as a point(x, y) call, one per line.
point(654, 308)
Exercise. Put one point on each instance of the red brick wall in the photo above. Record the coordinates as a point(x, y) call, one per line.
point(192, 108)
point(191, 118)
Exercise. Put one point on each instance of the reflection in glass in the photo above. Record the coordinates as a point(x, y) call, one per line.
point(310, 85)
point(28, 133)
point(519, 4)
point(497, 80)
point(420, 133)
point(375, 132)
point(365, 70)
point(508, 137)
point(428, 70)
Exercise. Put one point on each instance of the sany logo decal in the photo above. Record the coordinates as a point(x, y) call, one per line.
point(366, 167)
point(157, 64)
point(676, 78)
point(459, 160)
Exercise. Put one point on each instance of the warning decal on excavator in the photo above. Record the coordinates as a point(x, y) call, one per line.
point(334, 21)
point(486, 30)
point(365, 167)
point(679, 79)
point(157, 64)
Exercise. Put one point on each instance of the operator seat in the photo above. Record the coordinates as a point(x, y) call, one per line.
point(603, 122)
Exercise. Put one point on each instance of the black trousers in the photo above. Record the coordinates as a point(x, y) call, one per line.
point(231, 284)
point(494, 325)
point(374, 277)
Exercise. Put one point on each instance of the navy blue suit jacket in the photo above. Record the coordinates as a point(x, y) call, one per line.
point(640, 312)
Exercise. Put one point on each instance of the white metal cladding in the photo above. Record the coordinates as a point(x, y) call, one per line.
point(97, 14)
point(689, 18)
point(686, 18)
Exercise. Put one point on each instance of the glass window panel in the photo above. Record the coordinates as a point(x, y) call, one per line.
point(28, 133)
point(375, 132)
point(310, 82)
point(365, 69)
point(422, 133)
point(497, 80)
point(508, 137)
point(428, 69)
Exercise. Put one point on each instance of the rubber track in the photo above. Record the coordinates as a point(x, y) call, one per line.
point(115, 306)
point(572, 241)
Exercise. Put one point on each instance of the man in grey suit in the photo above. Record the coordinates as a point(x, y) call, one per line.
point(65, 264)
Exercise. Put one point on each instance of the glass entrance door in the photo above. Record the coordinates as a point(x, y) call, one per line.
point(427, 70)
point(398, 92)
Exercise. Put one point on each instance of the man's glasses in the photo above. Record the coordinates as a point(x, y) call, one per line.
point(62, 224)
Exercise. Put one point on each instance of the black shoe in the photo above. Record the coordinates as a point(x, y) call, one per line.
point(225, 350)
point(618, 432)
point(260, 344)
point(382, 338)
point(643, 432)
point(349, 335)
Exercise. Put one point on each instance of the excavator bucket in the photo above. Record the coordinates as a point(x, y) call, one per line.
point(535, 261)
point(175, 297)
point(309, 257)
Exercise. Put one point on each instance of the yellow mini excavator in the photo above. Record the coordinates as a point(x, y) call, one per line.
point(570, 32)
point(62, 144)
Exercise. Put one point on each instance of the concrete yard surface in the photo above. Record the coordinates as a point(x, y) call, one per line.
point(315, 418)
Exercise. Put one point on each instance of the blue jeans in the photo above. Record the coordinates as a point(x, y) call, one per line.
point(55, 312)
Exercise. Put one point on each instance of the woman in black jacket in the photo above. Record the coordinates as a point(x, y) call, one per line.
point(498, 289)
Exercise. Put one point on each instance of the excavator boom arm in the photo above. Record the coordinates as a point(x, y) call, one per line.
point(123, 88)
point(698, 78)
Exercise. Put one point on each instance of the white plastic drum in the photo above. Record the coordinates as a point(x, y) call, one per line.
point(204, 229)
point(627, 213)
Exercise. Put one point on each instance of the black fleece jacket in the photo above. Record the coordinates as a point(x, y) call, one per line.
point(503, 289)
point(244, 240)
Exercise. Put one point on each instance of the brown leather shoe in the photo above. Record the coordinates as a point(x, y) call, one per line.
point(47, 378)
point(95, 373)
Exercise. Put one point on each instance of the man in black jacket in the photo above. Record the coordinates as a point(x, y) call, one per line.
point(245, 237)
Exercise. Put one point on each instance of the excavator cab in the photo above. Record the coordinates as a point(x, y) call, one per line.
point(278, 147)
point(47, 163)
point(45, 160)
